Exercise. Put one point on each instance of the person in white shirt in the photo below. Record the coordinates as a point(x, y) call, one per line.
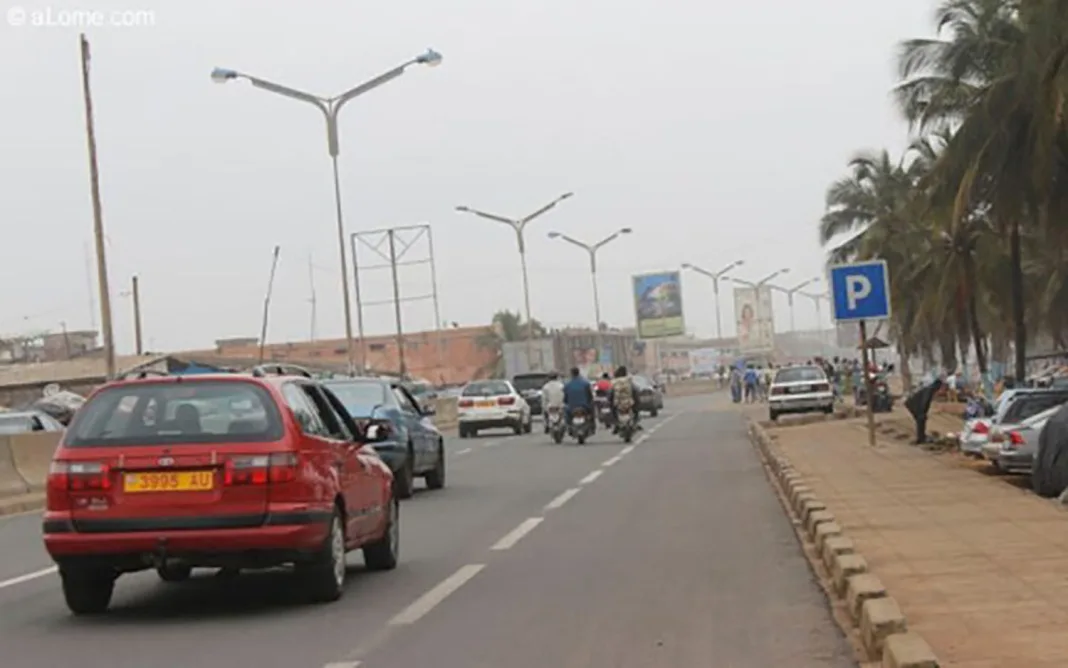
point(552, 395)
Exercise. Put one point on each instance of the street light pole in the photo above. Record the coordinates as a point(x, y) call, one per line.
point(790, 292)
point(592, 249)
point(715, 276)
point(331, 107)
point(518, 225)
point(819, 316)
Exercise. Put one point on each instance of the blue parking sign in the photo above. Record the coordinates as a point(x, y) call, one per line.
point(860, 291)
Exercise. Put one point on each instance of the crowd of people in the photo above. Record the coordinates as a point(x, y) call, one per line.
point(750, 384)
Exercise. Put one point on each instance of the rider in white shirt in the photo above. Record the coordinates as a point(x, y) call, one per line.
point(552, 395)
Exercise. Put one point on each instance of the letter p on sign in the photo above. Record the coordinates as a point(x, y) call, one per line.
point(857, 288)
point(860, 291)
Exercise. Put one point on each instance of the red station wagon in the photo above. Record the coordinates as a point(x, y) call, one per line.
point(226, 471)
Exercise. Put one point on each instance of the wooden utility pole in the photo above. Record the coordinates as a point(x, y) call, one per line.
point(267, 303)
point(137, 316)
point(98, 218)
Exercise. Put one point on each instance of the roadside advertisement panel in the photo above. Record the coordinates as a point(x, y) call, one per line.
point(755, 320)
point(658, 305)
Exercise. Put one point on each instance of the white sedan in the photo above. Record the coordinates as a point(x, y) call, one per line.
point(800, 389)
point(492, 404)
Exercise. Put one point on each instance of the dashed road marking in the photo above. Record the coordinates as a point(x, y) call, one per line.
point(344, 664)
point(562, 498)
point(611, 462)
point(642, 439)
point(516, 534)
point(591, 477)
point(626, 451)
point(439, 593)
point(29, 576)
point(490, 444)
point(464, 451)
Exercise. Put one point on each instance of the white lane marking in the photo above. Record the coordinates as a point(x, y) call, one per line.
point(642, 439)
point(516, 534)
point(29, 576)
point(591, 477)
point(611, 462)
point(490, 444)
point(464, 451)
point(626, 451)
point(562, 499)
point(439, 593)
point(344, 664)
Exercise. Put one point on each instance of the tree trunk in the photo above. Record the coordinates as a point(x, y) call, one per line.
point(947, 349)
point(906, 371)
point(973, 314)
point(1017, 291)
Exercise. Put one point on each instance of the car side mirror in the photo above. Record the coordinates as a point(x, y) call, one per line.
point(430, 411)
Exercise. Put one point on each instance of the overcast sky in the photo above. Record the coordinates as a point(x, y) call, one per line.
point(713, 129)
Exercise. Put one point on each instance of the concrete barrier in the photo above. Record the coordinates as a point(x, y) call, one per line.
point(32, 454)
point(445, 418)
point(11, 483)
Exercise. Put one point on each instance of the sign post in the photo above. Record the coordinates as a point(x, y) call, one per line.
point(860, 292)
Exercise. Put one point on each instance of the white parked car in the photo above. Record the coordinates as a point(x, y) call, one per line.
point(800, 389)
point(492, 404)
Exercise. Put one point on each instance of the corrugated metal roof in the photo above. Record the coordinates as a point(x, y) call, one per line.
point(69, 370)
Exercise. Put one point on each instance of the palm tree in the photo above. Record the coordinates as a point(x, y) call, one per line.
point(505, 327)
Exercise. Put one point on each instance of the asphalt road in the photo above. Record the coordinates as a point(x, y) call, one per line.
point(673, 552)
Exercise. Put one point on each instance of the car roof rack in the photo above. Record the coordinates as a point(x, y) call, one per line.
point(142, 374)
point(263, 370)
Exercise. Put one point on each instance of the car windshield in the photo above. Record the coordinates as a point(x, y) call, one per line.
point(166, 413)
point(360, 398)
point(799, 375)
point(15, 424)
point(530, 382)
point(487, 388)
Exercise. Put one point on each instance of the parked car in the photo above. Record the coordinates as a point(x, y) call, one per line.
point(1021, 407)
point(403, 434)
point(529, 387)
point(799, 389)
point(228, 471)
point(1012, 448)
point(25, 422)
point(489, 404)
point(976, 432)
point(650, 397)
point(1049, 471)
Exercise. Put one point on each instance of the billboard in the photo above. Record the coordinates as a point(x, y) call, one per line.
point(706, 361)
point(755, 319)
point(658, 305)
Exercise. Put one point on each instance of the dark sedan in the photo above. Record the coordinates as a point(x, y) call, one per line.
point(529, 385)
point(402, 433)
point(650, 398)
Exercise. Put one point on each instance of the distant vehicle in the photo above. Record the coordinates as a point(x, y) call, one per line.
point(799, 389)
point(26, 422)
point(650, 397)
point(489, 404)
point(225, 471)
point(403, 434)
point(529, 387)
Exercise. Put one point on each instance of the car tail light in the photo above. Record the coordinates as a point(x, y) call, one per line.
point(465, 403)
point(260, 469)
point(79, 476)
point(1015, 440)
point(505, 401)
point(981, 428)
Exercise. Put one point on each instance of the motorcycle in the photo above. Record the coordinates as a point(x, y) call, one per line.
point(604, 412)
point(627, 423)
point(581, 426)
point(555, 425)
point(882, 400)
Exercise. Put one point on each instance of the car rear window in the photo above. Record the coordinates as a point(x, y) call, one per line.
point(1029, 405)
point(360, 399)
point(799, 374)
point(531, 382)
point(187, 412)
point(487, 388)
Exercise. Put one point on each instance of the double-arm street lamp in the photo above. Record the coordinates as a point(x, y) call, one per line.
point(518, 225)
point(330, 107)
point(592, 249)
point(790, 292)
point(715, 276)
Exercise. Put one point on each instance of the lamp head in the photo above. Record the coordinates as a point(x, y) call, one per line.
point(431, 58)
point(626, 230)
point(222, 75)
point(553, 235)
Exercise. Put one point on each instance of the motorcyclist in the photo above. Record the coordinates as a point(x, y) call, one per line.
point(552, 395)
point(603, 386)
point(578, 393)
point(623, 389)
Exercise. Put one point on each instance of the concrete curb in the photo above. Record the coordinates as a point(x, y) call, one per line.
point(876, 618)
point(23, 503)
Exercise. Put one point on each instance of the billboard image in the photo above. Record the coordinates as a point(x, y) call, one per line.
point(658, 305)
point(755, 319)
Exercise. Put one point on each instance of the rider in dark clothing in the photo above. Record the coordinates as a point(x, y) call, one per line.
point(621, 375)
point(578, 393)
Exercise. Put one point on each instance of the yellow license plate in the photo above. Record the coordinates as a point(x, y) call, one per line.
point(169, 481)
point(486, 404)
